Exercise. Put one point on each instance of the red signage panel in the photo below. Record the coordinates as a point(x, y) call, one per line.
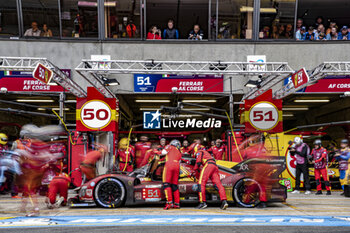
point(42, 73)
point(263, 114)
point(23, 81)
point(300, 78)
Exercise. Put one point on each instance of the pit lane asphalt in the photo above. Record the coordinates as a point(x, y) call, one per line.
point(296, 205)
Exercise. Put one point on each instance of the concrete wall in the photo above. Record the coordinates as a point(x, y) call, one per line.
point(68, 54)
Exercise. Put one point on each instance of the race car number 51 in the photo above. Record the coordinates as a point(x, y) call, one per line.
point(95, 114)
point(263, 116)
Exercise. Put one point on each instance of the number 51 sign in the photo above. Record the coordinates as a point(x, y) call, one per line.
point(263, 114)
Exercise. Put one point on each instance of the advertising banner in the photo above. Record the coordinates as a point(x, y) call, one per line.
point(190, 83)
point(329, 84)
point(23, 81)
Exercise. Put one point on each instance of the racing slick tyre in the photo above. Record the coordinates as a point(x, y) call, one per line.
point(246, 193)
point(109, 193)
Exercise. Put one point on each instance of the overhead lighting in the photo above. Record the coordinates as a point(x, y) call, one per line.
point(253, 83)
point(287, 115)
point(198, 101)
point(295, 109)
point(110, 81)
point(312, 101)
point(197, 109)
point(262, 10)
point(152, 101)
point(70, 101)
point(34, 101)
point(55, 109)
point(149, 109)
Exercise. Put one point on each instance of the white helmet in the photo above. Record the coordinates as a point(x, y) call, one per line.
point(298, 140)
point(176, 143)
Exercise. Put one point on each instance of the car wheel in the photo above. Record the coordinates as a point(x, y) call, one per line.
point(109, 193)
point(241, 195)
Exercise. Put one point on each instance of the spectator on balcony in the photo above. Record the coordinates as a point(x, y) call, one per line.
point(196, 33)
point(333, 35)
point(131, 29)
point(320, 29)
point(289, 31)
point(154, 33)
point(300, 34)
point(33, 31)
point(321, 36)
point(300, 23)
point(275, 32)
point(170, 32)
point(318, 21)
point(281, 31)
point(310, 34)
point(265, 33)
point(344, 34)
point(46, 32)
point(331, 25)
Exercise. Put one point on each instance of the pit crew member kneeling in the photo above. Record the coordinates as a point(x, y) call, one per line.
point(319, 155)
point(58, 185)
point(209, 171)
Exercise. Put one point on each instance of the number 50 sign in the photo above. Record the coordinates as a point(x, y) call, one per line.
point(263, 114)
point(96, 113)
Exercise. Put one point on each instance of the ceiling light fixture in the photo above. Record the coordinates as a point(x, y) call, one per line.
point(295, 109)
point(312, 101)
point(34, 101)
point(152, 101)
point(198, 101)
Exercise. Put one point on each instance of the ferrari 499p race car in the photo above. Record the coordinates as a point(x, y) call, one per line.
point(144, 185)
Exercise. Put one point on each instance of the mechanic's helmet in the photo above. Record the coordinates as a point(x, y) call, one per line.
point(3, 139)
point(123, 143)
point(176, 143)
point(345, 141)
point(318, 142)
point(298, 140)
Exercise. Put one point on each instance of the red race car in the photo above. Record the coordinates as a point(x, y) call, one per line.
point(144, 185)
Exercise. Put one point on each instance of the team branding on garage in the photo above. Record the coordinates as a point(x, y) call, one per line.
point(153, 120)
point(132, 220)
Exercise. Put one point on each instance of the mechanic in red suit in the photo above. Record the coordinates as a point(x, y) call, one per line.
point(141, 148)
point(171, 174)
point(185, 149)
point(149, 156)
point(162, 144)
point(125, 156)
point(319, 155)
point(196, 146)
point(88, 166)
point(218, 150)
point(58, 185)
point(209, 171)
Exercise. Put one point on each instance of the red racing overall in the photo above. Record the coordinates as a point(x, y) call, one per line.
point(210, 171)
point(149, 156)
point(171, 174)
point(88, 166)
point(194, 148)
point(141, 148)
point(125, 159)
point(320, 158)
point(59, 185)
point(218, 152)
